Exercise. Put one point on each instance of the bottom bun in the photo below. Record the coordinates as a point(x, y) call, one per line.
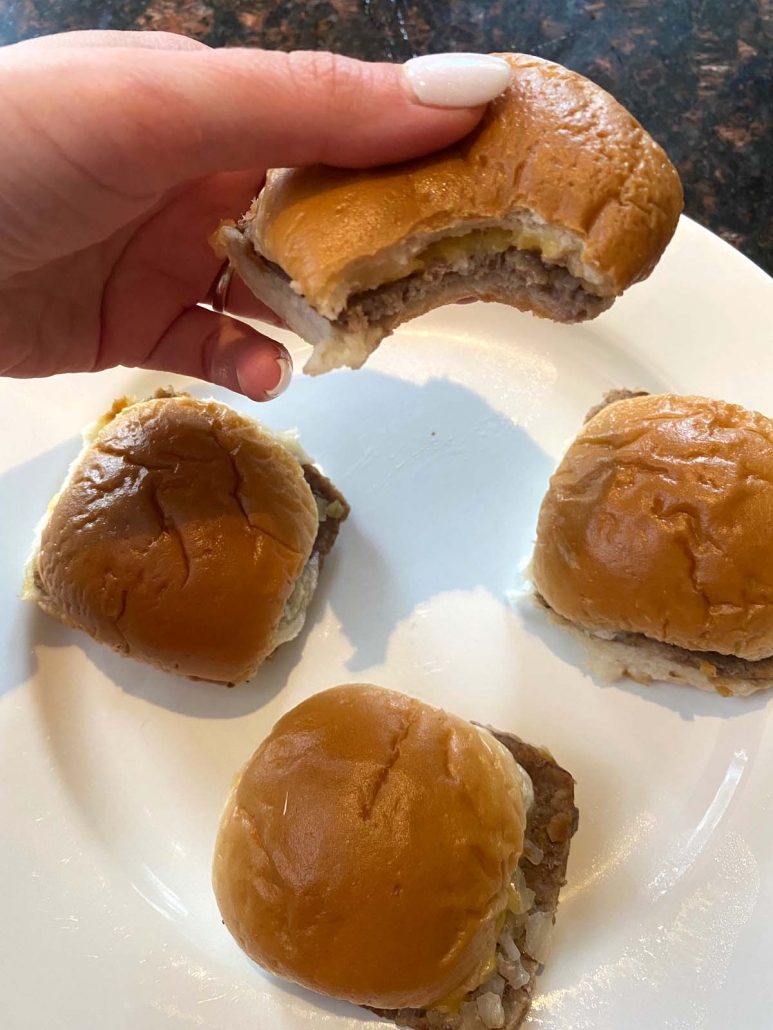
point(518, 278)
point(505, 998)
point(650, 661)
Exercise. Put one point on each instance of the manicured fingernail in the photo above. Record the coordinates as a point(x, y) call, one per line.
point(456, 80)
point(285, 374)
point(264, 373)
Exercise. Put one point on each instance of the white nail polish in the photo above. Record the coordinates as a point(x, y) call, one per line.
point(286, 374)
point(456, 80)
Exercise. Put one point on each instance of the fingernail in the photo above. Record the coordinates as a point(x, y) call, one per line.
point(456, 80)
point(264, 374)
point(285, 374)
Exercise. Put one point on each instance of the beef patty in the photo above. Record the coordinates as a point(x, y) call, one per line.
point(551, 823)
point(522, 274)
point(335, 506)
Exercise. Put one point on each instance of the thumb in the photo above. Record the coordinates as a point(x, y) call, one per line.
point(142, 120)
point(223, 351)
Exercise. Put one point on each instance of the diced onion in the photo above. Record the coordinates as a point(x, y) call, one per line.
point(538, 931)
point(469, 1018)
point(508, 946)
point(513, 972)
point(490, 1010)
point(496, 984)
point(516, 923)
point(520, 897)
point(438, 1018)
point(532, 852)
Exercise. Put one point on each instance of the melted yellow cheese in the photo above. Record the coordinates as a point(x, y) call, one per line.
point(550, 249)
point(452, 249)
point(490, 241)
point(454, 1001)
point(515, 902)
point(479, 241)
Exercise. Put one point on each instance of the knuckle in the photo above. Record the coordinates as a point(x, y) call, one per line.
point(341, 81)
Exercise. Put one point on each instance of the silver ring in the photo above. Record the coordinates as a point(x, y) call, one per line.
point(222, 286)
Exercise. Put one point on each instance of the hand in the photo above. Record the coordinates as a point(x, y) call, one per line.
point(119, 155)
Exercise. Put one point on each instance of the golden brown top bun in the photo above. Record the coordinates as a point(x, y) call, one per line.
point(554, 145)
point(659, 520)
point(367, 848)
point(179, 537)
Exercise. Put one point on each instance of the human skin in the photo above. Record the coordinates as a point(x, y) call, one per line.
point(119, 155)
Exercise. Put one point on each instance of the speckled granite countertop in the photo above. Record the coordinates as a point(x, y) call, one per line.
point(697, 73)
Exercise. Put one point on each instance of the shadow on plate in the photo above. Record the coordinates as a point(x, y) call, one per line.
point(688, 702)
point(444, 493)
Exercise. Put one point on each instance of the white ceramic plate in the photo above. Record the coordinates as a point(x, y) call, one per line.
point(112, 775)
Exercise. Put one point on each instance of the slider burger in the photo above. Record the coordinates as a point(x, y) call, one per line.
point(655, 542)
point(379, 850)
point(555, 204)
point(186, 536)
